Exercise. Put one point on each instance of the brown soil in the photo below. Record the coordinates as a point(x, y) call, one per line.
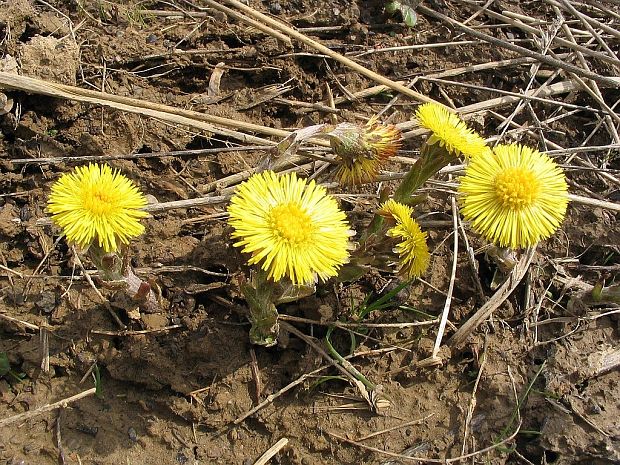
point(171, 397)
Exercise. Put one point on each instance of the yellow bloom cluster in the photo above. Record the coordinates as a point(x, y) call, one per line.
point(290, 226)
point(363, 150)
point(95, 203)
point(515, 196)
point(448, 130)
point(412, 249)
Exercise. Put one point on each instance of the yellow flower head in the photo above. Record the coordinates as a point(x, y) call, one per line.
point(412, 250)
point(396, 211)
point(449, 131)
point(514, 197)
point(95, 203)
point(291, 226)
point(363, 150)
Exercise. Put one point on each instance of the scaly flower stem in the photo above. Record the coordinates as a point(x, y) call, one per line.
point(346, 364)
point(259, 295)
point(117, 273)
point(432, 159)
point(602, 294)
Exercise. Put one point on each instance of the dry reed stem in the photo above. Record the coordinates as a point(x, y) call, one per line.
point(537, 32)
point(301, 379)
point(156, 110)
point(327, 51)
point(308, 340)
point(407, 458)
point(252, 22)
point(516, 275)
point(273, 450)
point(19, 322)
point(446, 307)
point(555, 63)
point(46, 408)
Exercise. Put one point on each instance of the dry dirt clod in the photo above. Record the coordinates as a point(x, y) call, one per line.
point(6, 104)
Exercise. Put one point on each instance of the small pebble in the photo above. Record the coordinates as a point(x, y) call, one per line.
point(182, 458)
point(90, 430)
point(151, 39)
point(131, 432)
point(24, 213)
point(28, 448)
point(275, 8)
point(46, 302)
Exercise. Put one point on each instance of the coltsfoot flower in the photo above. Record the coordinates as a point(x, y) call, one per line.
point(412, 250)
point(448, 130)
point(363, 150)
point(96, 203)
point(290, 226)
point(514, 197)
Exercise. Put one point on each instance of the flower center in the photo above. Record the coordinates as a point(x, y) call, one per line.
point(516, 188)
point(291, 223)
point(99, 202)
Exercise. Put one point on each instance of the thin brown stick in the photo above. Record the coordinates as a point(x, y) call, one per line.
point(498, 298)
point(90, 281)
point(273, 450)
point(584, 20)
point(252, 22)
point(140, 332)
point(393, 428)
point(44, 348)
point(472, 402)
point(9, 270)
point(537, 32)
point(258, 385)
point(424, 459)
point(327, 51)
point(133, 156)
point(300, 380)
point(340, 367)
point(19, 322)
point(339, 324)
point(46, 408)
point(555, 63)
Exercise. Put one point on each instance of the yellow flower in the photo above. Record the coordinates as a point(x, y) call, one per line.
point(363, 150)
point(95, 203)
point(412, 250)
point(449, 131)
point(290, 226)
point(514, 197)
point(396, 211)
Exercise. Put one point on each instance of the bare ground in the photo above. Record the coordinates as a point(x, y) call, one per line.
point(525, 386)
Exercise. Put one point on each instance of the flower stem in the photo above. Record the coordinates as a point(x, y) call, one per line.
point(346, 364)
point(263, 313)
point(432, 159)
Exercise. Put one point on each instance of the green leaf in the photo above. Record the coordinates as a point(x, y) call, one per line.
point(351, 272)
point(98, 383)
point(409, 16)
point(392, 7)
point(406, 8)
point(5, 367)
